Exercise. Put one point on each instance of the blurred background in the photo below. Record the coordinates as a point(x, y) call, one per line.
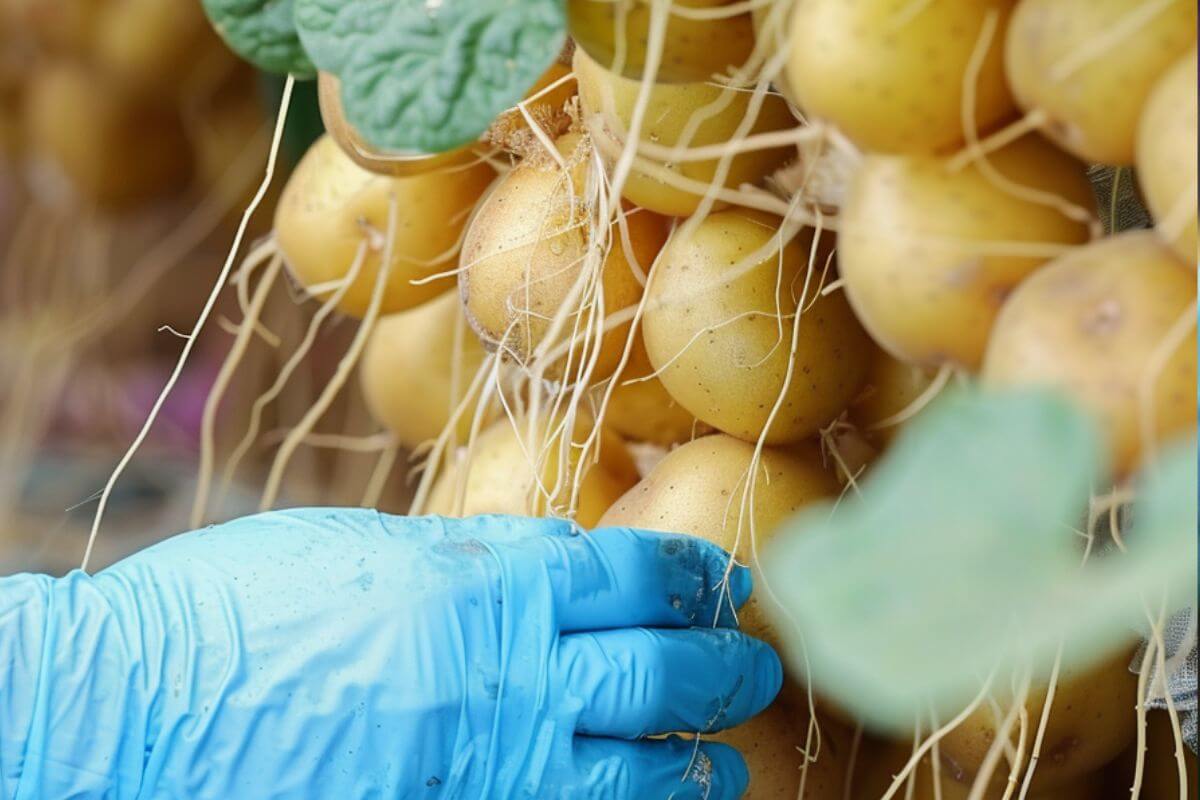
point(131, 141)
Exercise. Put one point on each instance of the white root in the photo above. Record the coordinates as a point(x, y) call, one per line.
point(272, 158)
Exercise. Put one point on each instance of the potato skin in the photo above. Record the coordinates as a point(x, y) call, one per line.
point(524, 252)
point(923, 249)
point(1088, 324)
point(430, 344)
point(772, 745)
point(730, 373)
point(603, 93)
point(894, 84)
point(1092, 107)
point(330, 202)
point(891, 386)
point(698, 488)
point(881, 761)
point(1092, 719)
point(693, 50)
point(644, 411)
point(501, 477)
point(1166, 156)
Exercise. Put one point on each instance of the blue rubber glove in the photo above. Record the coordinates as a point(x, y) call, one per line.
point(348, 654)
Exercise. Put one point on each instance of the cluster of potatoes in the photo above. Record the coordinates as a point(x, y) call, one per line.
point(112, 104)
point(736, 331)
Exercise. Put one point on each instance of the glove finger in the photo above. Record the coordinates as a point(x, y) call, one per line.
point(620, 577)
point(640, 681)
point(656, 770)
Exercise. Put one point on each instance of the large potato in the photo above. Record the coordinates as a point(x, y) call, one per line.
point(528, 247)
point(608, 98)
point(773, 745)
point(881, 763)
point(114, 146)
point(699, 489)
point(502, 475)
point(1166, 157)
point(1089, 65)
point(1090, 323)
point(693, 50)
point(430, 344)
point(331, 205)
point(1091, 721)
point(644, 411)
point(929, 254)
point(723, 347)
point(889, 73)
point(1162, 768)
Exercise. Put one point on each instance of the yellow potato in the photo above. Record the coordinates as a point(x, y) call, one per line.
point(1091, 721)
point(502, 475)
point(723, 341)
point(430, 345)
point(1092, 324)
point(528, 248)
point(374, 159)
point(890, 73)
point(608, 102)
point(331, 205)
point(114, 147)
point(693, 50)
point(58, 26)
point(644, 411)
point(1161, 767)
point(1166, 157)
point(699, 489)
point(1089, 65)
point(881, 763)
point(929, 254)
point(892, 386)
point(773, 744)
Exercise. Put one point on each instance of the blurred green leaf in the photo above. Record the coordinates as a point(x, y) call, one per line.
point(962, 559)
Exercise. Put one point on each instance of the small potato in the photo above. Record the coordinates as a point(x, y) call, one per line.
point(331, 205)
point(693, 50)
point(643, 411)
point(608, 101)
point(890, 73)
point(774, 743)
point(528, 248)
point(1166, 157)
point(1092, 719)
point(114, 146)
point(892, 386)
point(700, 489)
point(1092, 324)
point(430, 344)
point(719, 328)
point(1089, 65)
point(929, 254)
point(502, 474)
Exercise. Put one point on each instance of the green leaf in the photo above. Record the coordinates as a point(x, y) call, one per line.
point(425, 77)
point(331, 29)
point(962, 560)
point(261, 31)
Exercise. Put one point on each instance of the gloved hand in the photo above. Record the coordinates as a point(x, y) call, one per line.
point(329, 653)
